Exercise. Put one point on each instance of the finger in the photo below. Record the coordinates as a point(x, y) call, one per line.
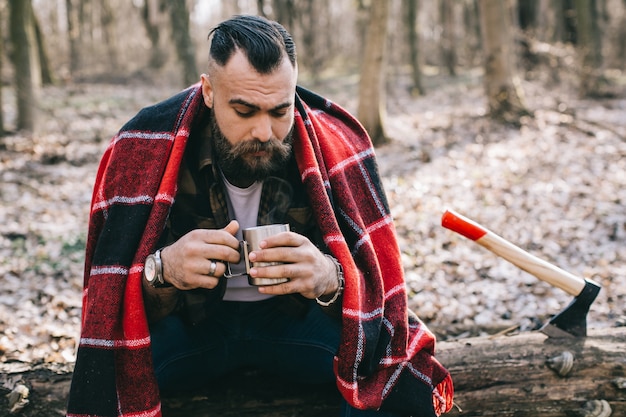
point(289, 239)
point(232, 227)
point(278, 289)
point(204, 281)
point(217, 236)
point(221, 253)
point(212, 268)
point(215, 269)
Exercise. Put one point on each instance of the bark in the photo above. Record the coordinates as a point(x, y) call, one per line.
point(24, 56)
point(73, 36)
point(504, 376)
point(527, 15)
point(589, 48)
point(107, 20)
point(309, 21)
point(411, 8)
point(2, 14)
point(185, 49)
point(371, 107)
point(502, 87)
point(448, 38)
point(622, 44)
point(284, 13)
point(518, 375)
point(151, 19)
point(47, 77)
point(471, 21)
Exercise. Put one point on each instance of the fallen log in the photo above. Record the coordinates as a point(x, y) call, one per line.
point(531, 375)
point(520, 375)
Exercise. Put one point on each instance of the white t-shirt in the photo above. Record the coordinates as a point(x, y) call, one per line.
point(243, 206)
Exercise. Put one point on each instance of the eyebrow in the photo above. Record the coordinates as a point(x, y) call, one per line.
point(255, 107)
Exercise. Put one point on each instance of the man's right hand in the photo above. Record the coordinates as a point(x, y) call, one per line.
point(186, 262)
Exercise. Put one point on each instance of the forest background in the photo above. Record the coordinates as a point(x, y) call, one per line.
point(511, 112)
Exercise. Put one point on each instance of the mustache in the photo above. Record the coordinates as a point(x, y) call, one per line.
point(255, 145)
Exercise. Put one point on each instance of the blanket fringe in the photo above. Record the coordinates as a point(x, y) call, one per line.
point(443, 396)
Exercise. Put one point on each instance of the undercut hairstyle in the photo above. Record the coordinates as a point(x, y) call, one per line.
point(264, 42)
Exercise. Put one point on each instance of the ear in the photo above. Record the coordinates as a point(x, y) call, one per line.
point(207, 91)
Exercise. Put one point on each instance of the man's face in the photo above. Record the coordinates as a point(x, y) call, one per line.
point(253, 117)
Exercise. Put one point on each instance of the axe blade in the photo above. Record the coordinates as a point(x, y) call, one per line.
point(572, 321)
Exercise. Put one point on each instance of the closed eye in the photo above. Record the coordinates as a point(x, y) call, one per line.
point(244, 114)
point(280, 113)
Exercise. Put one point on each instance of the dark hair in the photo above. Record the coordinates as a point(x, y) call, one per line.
point(263, 41)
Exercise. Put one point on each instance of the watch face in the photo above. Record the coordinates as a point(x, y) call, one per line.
point(150, 269)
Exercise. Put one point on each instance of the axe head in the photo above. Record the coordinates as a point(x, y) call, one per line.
point(572, 321)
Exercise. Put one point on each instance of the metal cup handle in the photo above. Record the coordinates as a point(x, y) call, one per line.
point(243, 248)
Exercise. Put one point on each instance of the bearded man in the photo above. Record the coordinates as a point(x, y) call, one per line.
point(168, 303)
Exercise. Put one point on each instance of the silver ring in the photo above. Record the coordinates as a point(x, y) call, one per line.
point(212, 268)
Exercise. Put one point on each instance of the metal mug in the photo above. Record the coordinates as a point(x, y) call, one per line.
point(252, 236)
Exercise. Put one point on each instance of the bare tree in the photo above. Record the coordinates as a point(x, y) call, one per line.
point(471, 22)
point(2, 14)
point(151, 17)
point(107, 20)
point(622, 45)
point(284, 13)
point(448, 38)
point(185, 49)
point(73, 35)
point(24, 57)
point(411, 8)
point(42, 53)
point(504, 94)
point(589, 46)
point(371, 107)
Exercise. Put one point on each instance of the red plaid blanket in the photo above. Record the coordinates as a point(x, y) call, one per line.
point(386, 357)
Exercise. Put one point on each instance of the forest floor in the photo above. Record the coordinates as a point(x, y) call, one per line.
point(556, 186)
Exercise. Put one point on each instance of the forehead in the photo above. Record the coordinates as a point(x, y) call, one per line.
point(239, 80)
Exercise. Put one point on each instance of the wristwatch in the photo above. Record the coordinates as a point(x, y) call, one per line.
point(153, 271)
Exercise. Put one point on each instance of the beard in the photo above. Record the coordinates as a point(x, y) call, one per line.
point(239, 162)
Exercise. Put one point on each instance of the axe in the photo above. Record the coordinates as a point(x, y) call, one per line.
point(572, 321)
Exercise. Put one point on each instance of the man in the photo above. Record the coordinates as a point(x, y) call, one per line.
point(175, 189)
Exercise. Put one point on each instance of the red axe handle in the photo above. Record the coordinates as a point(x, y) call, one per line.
point(539, 268)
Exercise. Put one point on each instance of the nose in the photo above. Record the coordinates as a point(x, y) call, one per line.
point(262, 129)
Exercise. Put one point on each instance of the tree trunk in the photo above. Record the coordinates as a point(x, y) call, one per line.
point(185, 49)
point(471, 24)
point(567, 11)
point(504, 95)
point(527, 15)
point(73, 35)
point(622, 44)
point(519, 375)
point(371, 107)
point(411, 8)
point(151, 18)
point(309, 21)
point(107, 20)
point(42, 52)
point(503, 376)
point(284, 13)
point(448, 38)
point(24, 56)
point(589, 47)
point(2, 14)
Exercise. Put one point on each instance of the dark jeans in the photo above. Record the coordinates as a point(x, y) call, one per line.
point(260, 335)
